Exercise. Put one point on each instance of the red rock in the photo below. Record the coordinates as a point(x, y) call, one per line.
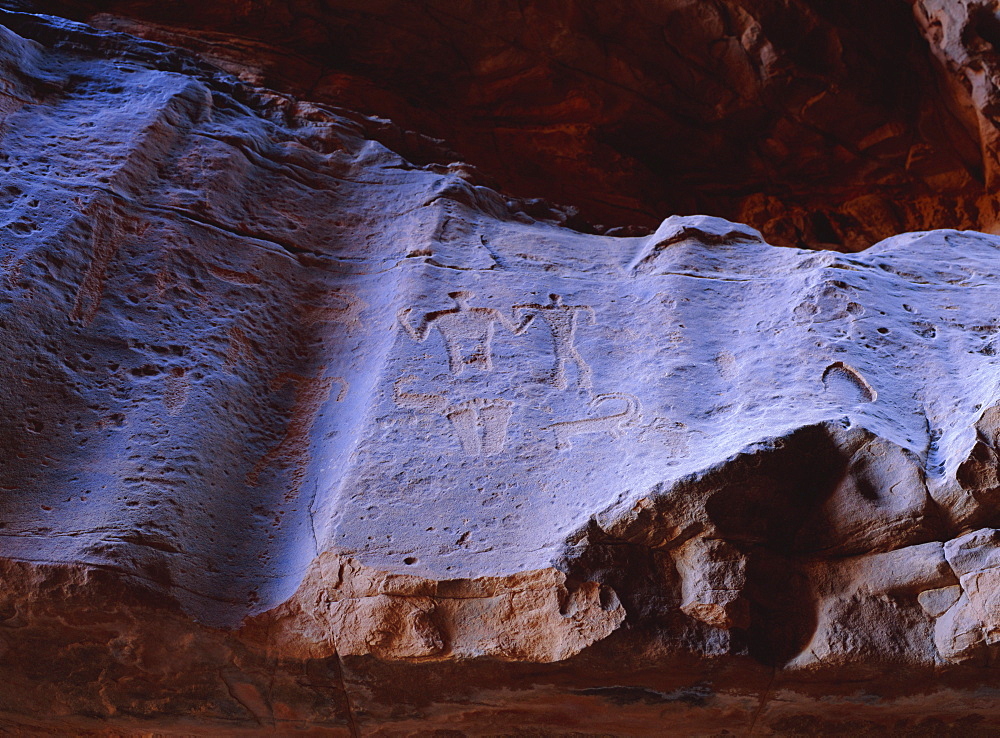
point(305, 436)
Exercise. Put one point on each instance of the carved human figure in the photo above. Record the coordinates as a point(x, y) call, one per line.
point(562, 322)
point(467, 331)
point(480, 423)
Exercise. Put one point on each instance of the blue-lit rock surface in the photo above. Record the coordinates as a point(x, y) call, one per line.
point(275, 398)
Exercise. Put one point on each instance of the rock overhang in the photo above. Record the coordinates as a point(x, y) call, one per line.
point(263, 366)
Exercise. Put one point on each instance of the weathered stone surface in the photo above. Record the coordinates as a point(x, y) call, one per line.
point(299, 435)
point(832, 123)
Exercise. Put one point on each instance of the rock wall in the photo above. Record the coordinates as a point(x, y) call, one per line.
point(822, 123)
point(302, 435)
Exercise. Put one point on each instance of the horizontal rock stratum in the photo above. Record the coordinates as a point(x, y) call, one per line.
point(299, 435)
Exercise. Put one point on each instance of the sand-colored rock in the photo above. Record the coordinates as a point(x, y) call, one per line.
point(343, 607)
point(301, 435)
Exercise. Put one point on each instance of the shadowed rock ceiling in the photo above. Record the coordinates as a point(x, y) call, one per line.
point(823, 123)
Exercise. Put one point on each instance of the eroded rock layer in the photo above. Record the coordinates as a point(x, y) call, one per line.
point(827, 123)
point(299, 435)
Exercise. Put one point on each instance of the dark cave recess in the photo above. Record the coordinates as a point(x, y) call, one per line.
point(824, 123)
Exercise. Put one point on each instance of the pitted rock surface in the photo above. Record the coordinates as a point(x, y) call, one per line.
point(298, 433)
point(820, 123)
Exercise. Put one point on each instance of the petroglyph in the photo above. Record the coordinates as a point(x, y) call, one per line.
point(108, 230)
point(243, 279)
point(311, 393)
point(467, 331)
point(613, 424)
point(163, 279)
point(562, 322)
point(11, 266)
point(480, 423)
point(340, 307)
point(415, 400)
point(237, 349)
point(175, 394)
point(847, 381)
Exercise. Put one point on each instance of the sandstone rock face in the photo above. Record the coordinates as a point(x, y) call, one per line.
point(831, 123)
point(299, 435)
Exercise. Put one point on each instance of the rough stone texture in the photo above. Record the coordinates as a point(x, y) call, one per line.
point(300, 436)
point(831, 123)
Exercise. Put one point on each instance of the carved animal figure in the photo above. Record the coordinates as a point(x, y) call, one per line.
point(612, 424)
